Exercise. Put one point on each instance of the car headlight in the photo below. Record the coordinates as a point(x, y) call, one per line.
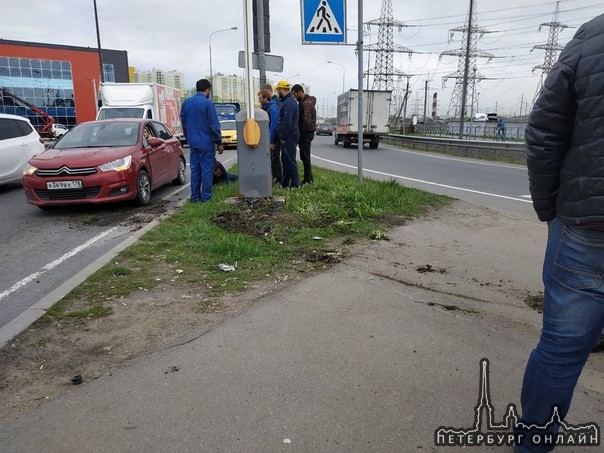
point(121, 164)
point(29, 170)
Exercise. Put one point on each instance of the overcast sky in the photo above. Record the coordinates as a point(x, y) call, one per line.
point(175, 35)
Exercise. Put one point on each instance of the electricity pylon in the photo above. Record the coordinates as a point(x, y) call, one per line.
point(468, 51)
point(551, 48)
point(384, 72)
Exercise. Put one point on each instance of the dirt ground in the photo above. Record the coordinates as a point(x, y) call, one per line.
point(450, 251)
point(48, 360)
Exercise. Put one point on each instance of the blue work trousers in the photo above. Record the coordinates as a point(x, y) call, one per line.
point(202, 174)
point(288, 158)
point(573, 317)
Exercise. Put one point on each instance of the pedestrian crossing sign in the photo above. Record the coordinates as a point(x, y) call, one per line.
point(323, 21)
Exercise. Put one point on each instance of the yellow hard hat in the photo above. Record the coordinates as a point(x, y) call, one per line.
point(282, 84)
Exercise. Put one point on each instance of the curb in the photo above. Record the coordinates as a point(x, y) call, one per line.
point(33, 313)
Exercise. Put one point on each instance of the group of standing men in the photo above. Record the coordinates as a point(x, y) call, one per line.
point(292, 121)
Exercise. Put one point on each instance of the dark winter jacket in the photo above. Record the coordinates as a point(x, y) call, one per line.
point(288, 119)
point(272, 109)
point(565, 133)
point(308, 114)
point(200, 122)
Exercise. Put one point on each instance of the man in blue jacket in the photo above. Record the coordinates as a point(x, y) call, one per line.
point(565, 161)
point(202, 130)
point(270, 106)
point(289, 134)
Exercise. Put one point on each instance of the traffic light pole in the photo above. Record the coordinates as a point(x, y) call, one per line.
point(260, 34)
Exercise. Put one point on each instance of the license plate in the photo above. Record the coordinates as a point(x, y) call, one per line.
point(61, 185)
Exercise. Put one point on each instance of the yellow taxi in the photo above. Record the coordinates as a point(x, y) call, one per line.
point(228, 129)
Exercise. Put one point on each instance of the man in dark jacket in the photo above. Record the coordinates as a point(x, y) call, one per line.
point(565, 159)
point(307, 124)
point(270, 106)
point(202, 131)
point(288, 133)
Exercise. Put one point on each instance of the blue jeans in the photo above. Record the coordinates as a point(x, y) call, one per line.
point(202, 174)
point(573, 317)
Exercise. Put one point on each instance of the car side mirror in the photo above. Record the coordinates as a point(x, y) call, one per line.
point(155, 142)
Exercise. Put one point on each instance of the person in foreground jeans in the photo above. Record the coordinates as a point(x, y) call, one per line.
point(565, 160)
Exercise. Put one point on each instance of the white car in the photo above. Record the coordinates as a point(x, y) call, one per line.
point(19, 142)
point(58, 130)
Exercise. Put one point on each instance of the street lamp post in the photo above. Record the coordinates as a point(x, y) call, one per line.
point(217, 31)
point(343, 74)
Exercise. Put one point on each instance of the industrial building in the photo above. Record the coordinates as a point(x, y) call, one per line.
point(38, 79)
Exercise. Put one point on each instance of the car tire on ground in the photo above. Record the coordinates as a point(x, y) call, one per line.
point(181, 176)
point(143, 188)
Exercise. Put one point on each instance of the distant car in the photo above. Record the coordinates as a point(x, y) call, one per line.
point(228, 128)
point(324, 129)
point(105, 161)
point(492, 116)
point(58, 130)
point(19, 142)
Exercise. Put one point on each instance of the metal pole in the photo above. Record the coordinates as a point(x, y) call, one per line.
point(360, 83)
point(96, 102)
point(343, 74)
point(466, 70)
point(98, 41)
point(405, 107)
point(211, 74)
point(210, 49)
point(249, 39)
point(425, 102)
point(473, 95)
point(261, 50)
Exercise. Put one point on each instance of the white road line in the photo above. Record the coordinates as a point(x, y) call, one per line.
point(463, 189)
point(55, 263)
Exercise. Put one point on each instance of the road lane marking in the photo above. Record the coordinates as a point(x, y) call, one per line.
point(463, 189)
point(55, 263)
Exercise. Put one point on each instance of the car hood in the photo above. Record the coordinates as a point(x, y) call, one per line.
point(79, 157)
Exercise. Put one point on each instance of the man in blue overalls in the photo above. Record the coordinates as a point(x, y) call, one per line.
point(202, 130)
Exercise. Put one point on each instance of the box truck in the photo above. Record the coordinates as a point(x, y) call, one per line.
point(376, 112)
point(142, 100)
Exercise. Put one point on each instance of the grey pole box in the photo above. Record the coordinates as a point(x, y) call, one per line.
point(254, 163)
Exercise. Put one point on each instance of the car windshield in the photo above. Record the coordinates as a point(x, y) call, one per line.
point(120, 112)
point(325, 126)
point(227, 125)
point(97, 135)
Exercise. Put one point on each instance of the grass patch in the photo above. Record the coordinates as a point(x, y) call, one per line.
point(261, 239)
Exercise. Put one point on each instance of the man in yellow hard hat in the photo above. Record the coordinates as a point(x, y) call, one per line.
point(289, 134)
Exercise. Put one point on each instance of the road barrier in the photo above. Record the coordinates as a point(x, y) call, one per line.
point(479, 149)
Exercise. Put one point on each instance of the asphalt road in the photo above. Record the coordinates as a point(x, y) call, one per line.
point(41, 250)
point(491, 184)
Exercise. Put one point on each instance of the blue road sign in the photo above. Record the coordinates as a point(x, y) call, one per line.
point(323, 21)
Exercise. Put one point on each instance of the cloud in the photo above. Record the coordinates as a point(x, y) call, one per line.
point(175, 36)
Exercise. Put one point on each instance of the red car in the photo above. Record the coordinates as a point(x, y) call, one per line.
point(105, 161)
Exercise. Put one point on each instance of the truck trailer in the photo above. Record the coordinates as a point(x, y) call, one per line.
point(142, 100)
point(376, 112)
